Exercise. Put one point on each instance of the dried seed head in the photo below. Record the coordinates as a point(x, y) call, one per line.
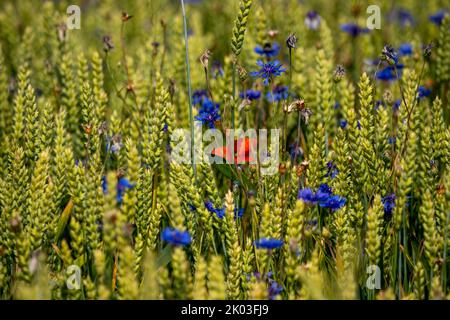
point(243, 74)
point(388, 97)
point(111, 216)
point(339, 73)
point(107, 43)
point(427, 50)
point(126, 16)
point(62, 32)
point(282, 168)
point(204, 58)
point(244, 105)
point(103, 128)
point(291, 41)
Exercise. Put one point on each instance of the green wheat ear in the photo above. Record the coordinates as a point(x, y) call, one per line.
point(240, 26)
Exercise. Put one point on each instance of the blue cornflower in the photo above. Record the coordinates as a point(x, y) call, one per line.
point(104, 185)
point(278, 93)
point(391, 140)
point(250, 94)
point(389, 74)
point(176, 237)
point(438, 17)
point(353, 29)
point(358, 125)
point(405, 49)
point(332, 170)
point(209, 113)
point(333, 202)
point(343, 123)
point(268, 70)
point(192, 207)
point(238, 213)
point(274, 289)
point(389, 204)
point(336, 105)
point(268, 243)
point(396, 105)
point(199, 96)
point(307, 195)
point(268, 50)
point(312, 20)
point(378, 103)
point(217, 70)
point(404, 17)
point(122, 185)
point(389, 54)
point(210, 207)
point(423, 92)
point(324, 192)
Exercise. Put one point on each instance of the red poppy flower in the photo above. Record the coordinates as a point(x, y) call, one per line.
point(242, 153)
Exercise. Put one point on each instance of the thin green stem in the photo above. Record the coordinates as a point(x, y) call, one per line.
point(188, 80)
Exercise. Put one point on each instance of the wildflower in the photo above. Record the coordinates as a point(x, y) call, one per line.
point(312, 20)
point(391, 140)
point(268, 243)
point(389, 73)
point(423, 92)
point(243, 150)
point(238, 213)
point(104, 185)
point(353, 29)
point(192, 207)
point(332, 170)
point(268, 70)
point(343, 123)
point(209, 113)
point(116, 143)
point(268, 50)
point(122, 185)
point(210, 207)
point(333, 202)
point(389, 204)
point(278, 93)
point(404, 17)
point(198, 96)
point(405, 49)
point(217, 70)
point(396, 105)
point(358, 125)
point(176, 237)
point(295, 150)
point(388, 54)
point(250, 94)
point(339, 73)
point(274, 290)
point(324, 192)
point(438, 17)
point(307, 195)
point(291, 41)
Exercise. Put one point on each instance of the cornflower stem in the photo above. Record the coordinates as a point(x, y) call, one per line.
point(408, 119)
point(188, 80)
point(234, 93)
